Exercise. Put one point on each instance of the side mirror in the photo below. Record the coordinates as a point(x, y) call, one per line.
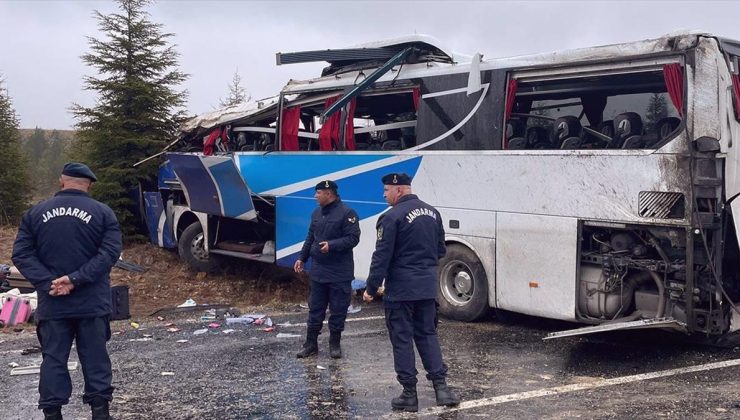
point(707, 144)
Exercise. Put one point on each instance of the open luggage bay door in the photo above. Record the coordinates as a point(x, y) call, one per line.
point(666, 323)
point(213, 185)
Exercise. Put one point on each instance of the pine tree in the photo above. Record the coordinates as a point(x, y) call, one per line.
point(656, 110)
point(15, 190)
point(138, 109)
point(237, 93)
point(35, 145)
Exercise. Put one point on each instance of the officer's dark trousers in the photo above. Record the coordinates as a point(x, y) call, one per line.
point(414, 322)
point(56, 336)
point(334, 295)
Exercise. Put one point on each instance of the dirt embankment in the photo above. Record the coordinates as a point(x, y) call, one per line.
point(168, 282)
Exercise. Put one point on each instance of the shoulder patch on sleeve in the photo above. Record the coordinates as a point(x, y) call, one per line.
point(380, 233)
point(352, 219)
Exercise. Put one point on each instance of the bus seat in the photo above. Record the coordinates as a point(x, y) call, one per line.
point(391, 145)
point(517, 143)
point(628, 131)
point(538, 138)
point(666, 126)
point(514, 128)
point(568, 132)
point(362, 141)
point(606, 128)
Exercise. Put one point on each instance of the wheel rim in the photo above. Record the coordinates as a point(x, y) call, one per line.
point(197, 249)
point(457, 283)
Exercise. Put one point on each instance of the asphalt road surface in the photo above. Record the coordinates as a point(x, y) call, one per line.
point(500, 369)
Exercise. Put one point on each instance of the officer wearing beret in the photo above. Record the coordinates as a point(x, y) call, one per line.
point(66, 247)
point(410, 241)
point(334, 231)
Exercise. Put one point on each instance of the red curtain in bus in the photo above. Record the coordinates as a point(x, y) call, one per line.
point(510, 97)
point(209, 144)
point(736, 91)
point(673, 75)
point(330, 128)
point(417, 96)
point(329, 133)
point(289, 123)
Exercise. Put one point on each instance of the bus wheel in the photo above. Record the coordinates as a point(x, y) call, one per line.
point(463, 287)
point(192, 249)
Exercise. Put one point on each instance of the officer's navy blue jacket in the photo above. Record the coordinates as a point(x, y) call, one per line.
point(69, 234)
point(411, 239)
point(340, 226)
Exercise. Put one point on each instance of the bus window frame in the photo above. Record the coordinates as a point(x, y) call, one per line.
point(544, 74)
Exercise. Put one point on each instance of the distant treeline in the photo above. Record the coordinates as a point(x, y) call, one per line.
point(47, 151)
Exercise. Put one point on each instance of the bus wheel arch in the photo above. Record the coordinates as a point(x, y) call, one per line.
point(462, 284)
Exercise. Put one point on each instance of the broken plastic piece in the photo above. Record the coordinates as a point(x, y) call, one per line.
point(181, 341)
point(134, 324)
point(353, 309)
point(240, 320)
point(286, 335)
point(188, 303)
point(269, 329)
point(161, 318)
point(320, 367)
point(229, 331)
point(173, 329)
point(30, 370)
point(167, 373)
point(199, 332)
point(214, 325)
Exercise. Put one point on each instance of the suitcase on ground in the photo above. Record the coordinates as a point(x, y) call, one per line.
point(15, 311)
point(119, 302)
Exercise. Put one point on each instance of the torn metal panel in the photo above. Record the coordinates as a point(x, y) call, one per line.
point(229, 114)
point(668, 323)
point(213, 185)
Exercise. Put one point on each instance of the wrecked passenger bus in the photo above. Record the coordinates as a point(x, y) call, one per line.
point(594, 185)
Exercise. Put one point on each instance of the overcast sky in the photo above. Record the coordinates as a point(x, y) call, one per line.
point(42, 41)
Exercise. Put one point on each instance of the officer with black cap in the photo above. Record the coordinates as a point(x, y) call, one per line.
point(410, 241)
point(334, 231)
point(66, 247)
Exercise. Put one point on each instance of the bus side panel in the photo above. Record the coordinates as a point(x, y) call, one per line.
point(536, 262)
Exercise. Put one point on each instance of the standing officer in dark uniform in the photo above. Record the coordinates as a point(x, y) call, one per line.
point(410, 241)
point(66, 247)
point(333, 232)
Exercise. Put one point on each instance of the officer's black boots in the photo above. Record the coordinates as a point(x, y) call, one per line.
point(54, 413)
point(335, 350)
point(444, 394)
point(100, 410)
point(311, 346)
point(407, 401)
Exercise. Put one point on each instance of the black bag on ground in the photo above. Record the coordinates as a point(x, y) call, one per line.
point(119, 302)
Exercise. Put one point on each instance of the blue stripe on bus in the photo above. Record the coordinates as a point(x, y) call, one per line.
point(194, 176)
point(234, 193)
point(363, 192)
point(267, 172)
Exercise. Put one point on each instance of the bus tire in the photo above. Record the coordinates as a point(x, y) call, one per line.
point(192, 250)
point(462, 290)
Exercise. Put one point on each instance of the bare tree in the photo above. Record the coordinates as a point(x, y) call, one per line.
point(237, 93)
